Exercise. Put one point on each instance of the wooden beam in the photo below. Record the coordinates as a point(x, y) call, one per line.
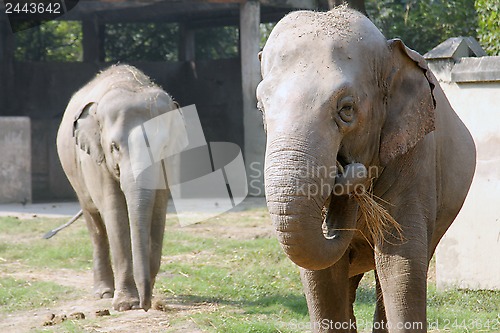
point(296, 4)
point(93, 40)
point(7, 44)
point(186, 43)
point(7, 48)
point(254, 137)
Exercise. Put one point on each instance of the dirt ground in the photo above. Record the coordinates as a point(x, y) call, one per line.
point(130, 321)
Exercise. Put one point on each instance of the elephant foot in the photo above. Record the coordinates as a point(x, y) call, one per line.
point(106, 294)
point(124, 302)
point(103, 292)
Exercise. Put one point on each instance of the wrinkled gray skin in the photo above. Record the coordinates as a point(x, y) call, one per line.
point(121, 215)
point(334, 89)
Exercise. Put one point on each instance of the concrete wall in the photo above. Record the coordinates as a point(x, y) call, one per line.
point(15, 160)
point(468, 255)
point(41, 91)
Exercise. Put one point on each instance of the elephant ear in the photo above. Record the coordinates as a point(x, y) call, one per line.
point(87, 132)
point(410, 102)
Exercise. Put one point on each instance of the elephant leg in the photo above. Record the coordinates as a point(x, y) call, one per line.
point(353, 286)
point(117, 224)
point(379, 318)
point(103, 273)
point(157, 232)
point(402, 271)
point(327, 295)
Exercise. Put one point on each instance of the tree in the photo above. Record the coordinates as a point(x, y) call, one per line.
point(489, 25)
point(141, 42)
point(217, 43)
point(159, 42)
point(51, 41)
point(423, 24)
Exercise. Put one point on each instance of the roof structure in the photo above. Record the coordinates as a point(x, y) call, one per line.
point(456, 48)
point(197, 12)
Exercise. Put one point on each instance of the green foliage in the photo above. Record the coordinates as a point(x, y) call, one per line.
point(217, 43)
point(489, 25)
point(159, 42)
point(141, 42)
point(51, 41)
point(423, 24)
point(265, 31)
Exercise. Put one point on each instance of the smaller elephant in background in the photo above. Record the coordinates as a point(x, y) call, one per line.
point(125, 215)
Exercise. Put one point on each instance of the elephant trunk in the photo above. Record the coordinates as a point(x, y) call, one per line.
point(298, 184)
point(140, 203)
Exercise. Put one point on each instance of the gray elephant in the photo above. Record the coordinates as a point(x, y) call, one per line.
point(335, 91)
point(124, 213)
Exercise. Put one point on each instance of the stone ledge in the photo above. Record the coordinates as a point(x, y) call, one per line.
point(483, 69)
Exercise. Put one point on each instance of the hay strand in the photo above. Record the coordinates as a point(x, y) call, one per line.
point(378, 219)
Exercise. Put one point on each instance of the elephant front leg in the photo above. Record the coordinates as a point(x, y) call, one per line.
point(116, 219)
point(157, 232)
point(379, 318)
point(103, 274)
point(327, 295)
point(402, 272)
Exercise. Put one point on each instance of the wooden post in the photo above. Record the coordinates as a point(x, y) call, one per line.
point(93, 40)
point(6, 43)
point(186, 43)
point(254, 136)
point(7, 48)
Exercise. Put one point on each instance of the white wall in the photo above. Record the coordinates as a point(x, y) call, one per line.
point(469, 253)
point(15, 160)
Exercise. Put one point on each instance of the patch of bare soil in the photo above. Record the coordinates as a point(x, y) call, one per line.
point(128, 321)
point(253, 226)
point(158, 319)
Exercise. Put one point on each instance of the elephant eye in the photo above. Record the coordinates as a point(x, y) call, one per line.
point(346, 112)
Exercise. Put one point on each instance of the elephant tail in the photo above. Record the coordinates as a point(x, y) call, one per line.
point(67, 224)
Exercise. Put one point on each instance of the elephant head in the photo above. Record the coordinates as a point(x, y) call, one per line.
point(103, 129)
point(334, 91)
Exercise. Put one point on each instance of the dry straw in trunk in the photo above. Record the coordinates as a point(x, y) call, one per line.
point(378, 219)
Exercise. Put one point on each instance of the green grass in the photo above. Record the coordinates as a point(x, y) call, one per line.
point(22, 241)
point(463, 310)
point(233, 278)
point(16, 295)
